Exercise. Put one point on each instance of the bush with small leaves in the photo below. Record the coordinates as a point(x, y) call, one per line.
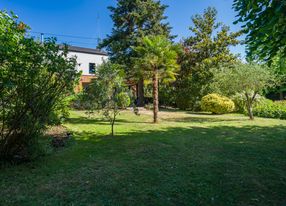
point(217, 104)
point(123, 100)
point(269, 109)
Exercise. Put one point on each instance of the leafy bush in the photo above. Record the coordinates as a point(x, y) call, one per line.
point(80, 101)
point(61, 111)
point(239, 100)
point(217, 104)
point(34, 78)
point(167, 95)
point(269, 109)
point(123, 100)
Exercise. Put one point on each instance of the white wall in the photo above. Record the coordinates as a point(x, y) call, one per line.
point(84, 59)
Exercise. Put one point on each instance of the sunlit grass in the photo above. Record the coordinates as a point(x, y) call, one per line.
point(186, 159)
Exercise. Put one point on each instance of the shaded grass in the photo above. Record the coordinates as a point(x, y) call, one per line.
point(187, 159)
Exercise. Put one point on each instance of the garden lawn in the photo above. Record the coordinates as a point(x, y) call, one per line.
point(187, 159)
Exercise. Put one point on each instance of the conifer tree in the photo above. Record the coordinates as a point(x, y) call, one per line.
point(134, 19)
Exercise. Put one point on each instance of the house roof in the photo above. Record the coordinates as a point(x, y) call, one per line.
point(86, 50)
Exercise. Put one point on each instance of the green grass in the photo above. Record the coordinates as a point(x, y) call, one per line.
point(187, 159)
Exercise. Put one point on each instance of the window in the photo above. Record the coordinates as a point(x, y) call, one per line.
point(92, 68)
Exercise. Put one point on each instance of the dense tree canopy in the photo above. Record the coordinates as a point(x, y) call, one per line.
point(265, 26)
point(134, 19)
point(207, 47)
point(34, 78)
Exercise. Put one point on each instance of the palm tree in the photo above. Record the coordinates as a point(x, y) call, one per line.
point(157, 59)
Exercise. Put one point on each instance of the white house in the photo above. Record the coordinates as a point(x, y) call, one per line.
point(87, 60)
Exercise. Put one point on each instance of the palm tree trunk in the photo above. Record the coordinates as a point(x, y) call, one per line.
point(155, 96)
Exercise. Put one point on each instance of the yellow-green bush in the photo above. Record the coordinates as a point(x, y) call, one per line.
point(217, 104)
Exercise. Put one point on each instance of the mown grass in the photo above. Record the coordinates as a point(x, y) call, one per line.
point(187, 159)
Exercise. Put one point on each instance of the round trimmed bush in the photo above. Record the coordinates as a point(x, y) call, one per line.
point(217, 104)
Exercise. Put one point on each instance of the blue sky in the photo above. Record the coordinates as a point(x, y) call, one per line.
point(91, 18)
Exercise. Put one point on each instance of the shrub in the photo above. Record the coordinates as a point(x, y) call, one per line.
point(34, 78)
point(269, 109)
point(239, 100)
point(217, 104)
point(80, 101)
point(123, 100)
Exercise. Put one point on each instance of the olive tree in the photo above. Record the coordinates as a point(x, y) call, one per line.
point(108, 93)
point(248, 79)
point(34, 78)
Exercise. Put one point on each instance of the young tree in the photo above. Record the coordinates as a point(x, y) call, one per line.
point(34, 78)
point(206, 48)
point(107, 93)
point(158, 60)
point(264, 22)
point(248, 79)
point(134, 19)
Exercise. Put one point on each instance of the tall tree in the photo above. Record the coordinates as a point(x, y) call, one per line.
point(206, 48)
point(134, 19)
point(158, 59)
point(264, 23)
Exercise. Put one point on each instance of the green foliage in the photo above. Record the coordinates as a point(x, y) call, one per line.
point(61, 111)
point(157, 54)
point(34, 78)
point(167, 94)
point(248, 79)
point(206, 48)
point(124, 100)
point(133, 19)
point(217, 104)
point(107, 93)
point(264, 23)
point(270, 109)
point(278, 65)
point(240, 100)
point(158, 61)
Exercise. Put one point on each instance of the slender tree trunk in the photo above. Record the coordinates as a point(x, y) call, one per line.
point(250, 112)
point(141, 99)
point(155, 96)
point(112, 129)
point(249, 102)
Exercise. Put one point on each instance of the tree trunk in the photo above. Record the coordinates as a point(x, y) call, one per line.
point(249, 102)
point(155, 96)
point(112, 129)
point(249, 110)
point(140, 92)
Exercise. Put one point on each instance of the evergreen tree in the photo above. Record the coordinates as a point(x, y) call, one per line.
point(134, 19)
point(205, 49)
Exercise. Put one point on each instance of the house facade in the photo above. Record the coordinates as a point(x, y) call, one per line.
point(87, 60)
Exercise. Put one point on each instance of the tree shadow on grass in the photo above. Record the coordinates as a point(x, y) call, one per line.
point(235, 165)
point(215, 165)
point(206, 119)
point(99, 121)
